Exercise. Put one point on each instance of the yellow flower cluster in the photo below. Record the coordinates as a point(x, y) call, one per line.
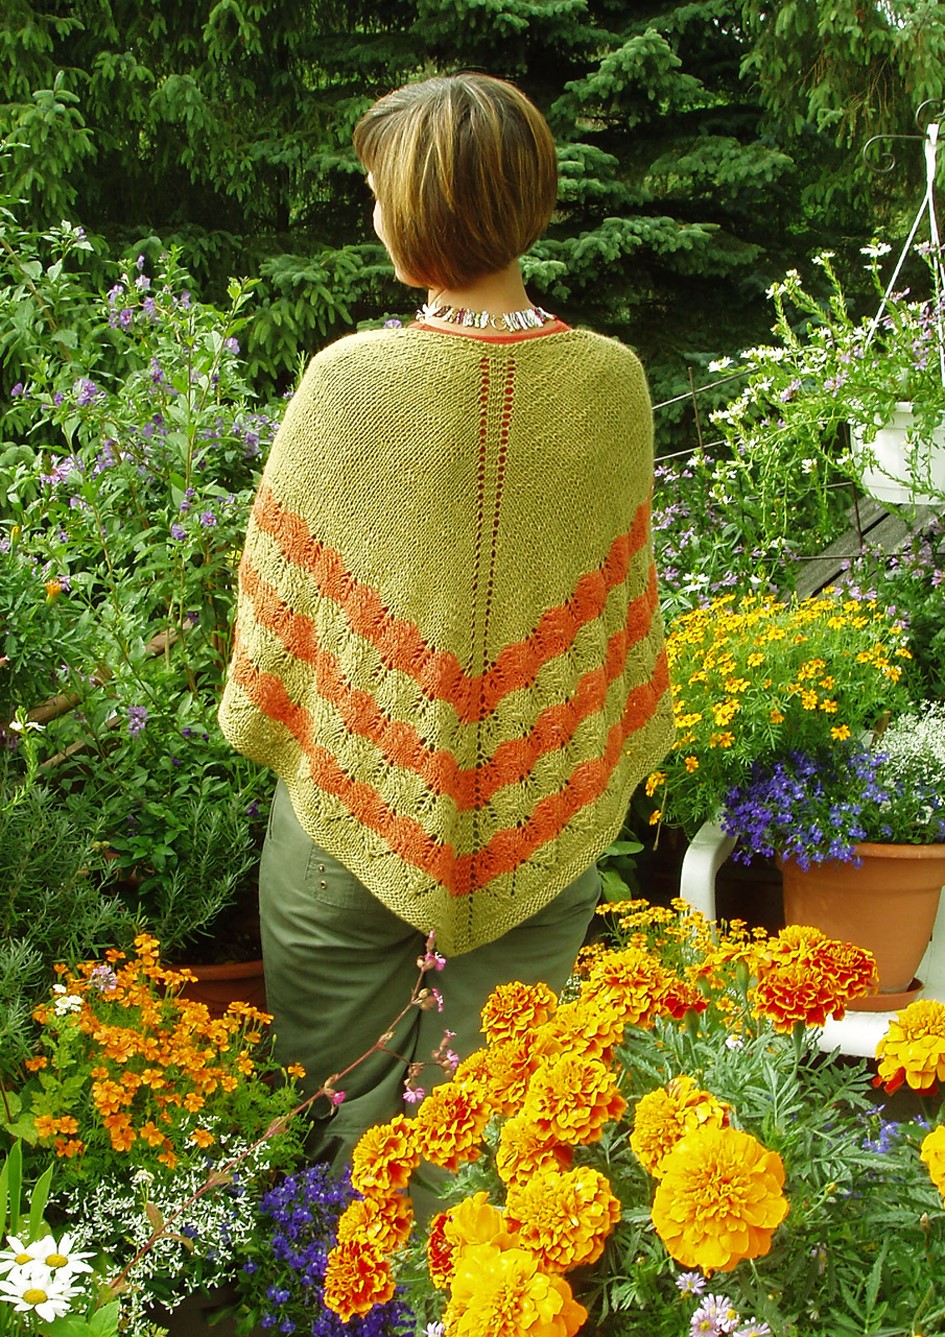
point(747, 675)
point(132, 1065)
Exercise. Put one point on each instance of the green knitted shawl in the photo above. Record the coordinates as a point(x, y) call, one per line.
point(448, 640)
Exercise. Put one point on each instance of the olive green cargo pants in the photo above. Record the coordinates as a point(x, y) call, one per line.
point(340, 967)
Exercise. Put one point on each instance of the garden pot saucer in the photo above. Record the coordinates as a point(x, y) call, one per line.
point(887, 1002)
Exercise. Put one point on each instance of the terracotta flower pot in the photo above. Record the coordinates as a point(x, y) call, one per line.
point(887, 905)
point(231, 982)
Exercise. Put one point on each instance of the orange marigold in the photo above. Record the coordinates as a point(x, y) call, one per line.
point(513, 1009)
point(913, 1048)
point(665, 1115)
point(571, 1097)
point(356, 1279)
point(503, 1071)
point(631, 982)
point(933, 1155)
point(504, 1293)
point(790, 993)
point(450, 1124)
point(523, 1148)
point(564, 1218)
point(592, 1026)
point(384, 1158)
point(720, 1199)
point(384, 1224)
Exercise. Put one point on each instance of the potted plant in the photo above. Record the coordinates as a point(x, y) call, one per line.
point(773, 702)
point(126, 504)
point(833, 396)
point(859, 832)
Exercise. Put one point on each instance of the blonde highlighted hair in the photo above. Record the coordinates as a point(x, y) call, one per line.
point(465, 172)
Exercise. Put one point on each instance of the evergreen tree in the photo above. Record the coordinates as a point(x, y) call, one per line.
point(691, 146)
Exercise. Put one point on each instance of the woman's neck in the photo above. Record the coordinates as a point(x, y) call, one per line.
point(495, 293)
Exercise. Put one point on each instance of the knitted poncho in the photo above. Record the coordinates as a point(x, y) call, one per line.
point(448, 639)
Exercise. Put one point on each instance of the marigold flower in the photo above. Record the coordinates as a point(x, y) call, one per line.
point(472, 1221)
point(356, 1279)
point(502, 1070)
point(523, 1148)
point(571, 1097)
point(665, 1115)
point(913, 1048)
point(592, 1026)
point(384, 1224)
point(563, 1217)
point(630, 982)
point(514, 1009)
point(450, 1124)
point(384, 1158)
point(720, 1199)
point(504, 1293)
point(933, 1155)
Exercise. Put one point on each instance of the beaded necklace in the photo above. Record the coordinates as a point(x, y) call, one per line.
point(529, 319)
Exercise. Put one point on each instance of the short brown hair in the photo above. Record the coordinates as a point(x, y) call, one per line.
point(465, 171)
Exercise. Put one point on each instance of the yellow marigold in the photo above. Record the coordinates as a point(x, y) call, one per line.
point(356, 1279)
point(571, 1097)
point(720, 1199)
point(450, 1124)
point(503, 1293)
point(563, 1217)
point(472, 1221)
point(665, 1115)
point(514, 1009)
point(523, 1148)
point(384, 1158)
point(933, 1154)
point(382, 1223)
point(913, 1048)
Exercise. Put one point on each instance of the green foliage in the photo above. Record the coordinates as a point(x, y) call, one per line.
point(693, 154)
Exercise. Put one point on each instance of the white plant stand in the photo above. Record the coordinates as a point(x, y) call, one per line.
point(859, 1032)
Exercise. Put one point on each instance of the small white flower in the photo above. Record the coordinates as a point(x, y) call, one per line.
point(21, 726)
point(434, 1330)
point(877, 249)
point(733, 1042)
point(720, 363)
point(809, 466)
point(36, 1289)
point(70, 1002)
point(57, 1256)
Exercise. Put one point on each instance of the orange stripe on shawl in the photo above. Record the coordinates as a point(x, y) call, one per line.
point(466, 873)
point(439, 673)
point(402, 744)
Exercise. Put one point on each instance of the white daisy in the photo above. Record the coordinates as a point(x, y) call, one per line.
point(34, 1289)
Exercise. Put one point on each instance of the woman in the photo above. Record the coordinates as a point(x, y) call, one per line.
point(449, 645)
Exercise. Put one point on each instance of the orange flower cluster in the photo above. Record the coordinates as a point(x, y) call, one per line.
point(720, 1198)
point(546, 1077)
point(804, 977)
point(142, 1068)
point(913, 1048)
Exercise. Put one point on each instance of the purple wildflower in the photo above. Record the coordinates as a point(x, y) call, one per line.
point(178, 532)
point(85, 391)
point(17, 390)
point(207, 519)
point(137, 719)
point(231, 345)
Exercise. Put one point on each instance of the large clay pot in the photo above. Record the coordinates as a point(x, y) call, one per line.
point(231, 982)
point(887, 905)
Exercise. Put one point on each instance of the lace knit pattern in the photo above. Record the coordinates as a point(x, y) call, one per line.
point(449, 643)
